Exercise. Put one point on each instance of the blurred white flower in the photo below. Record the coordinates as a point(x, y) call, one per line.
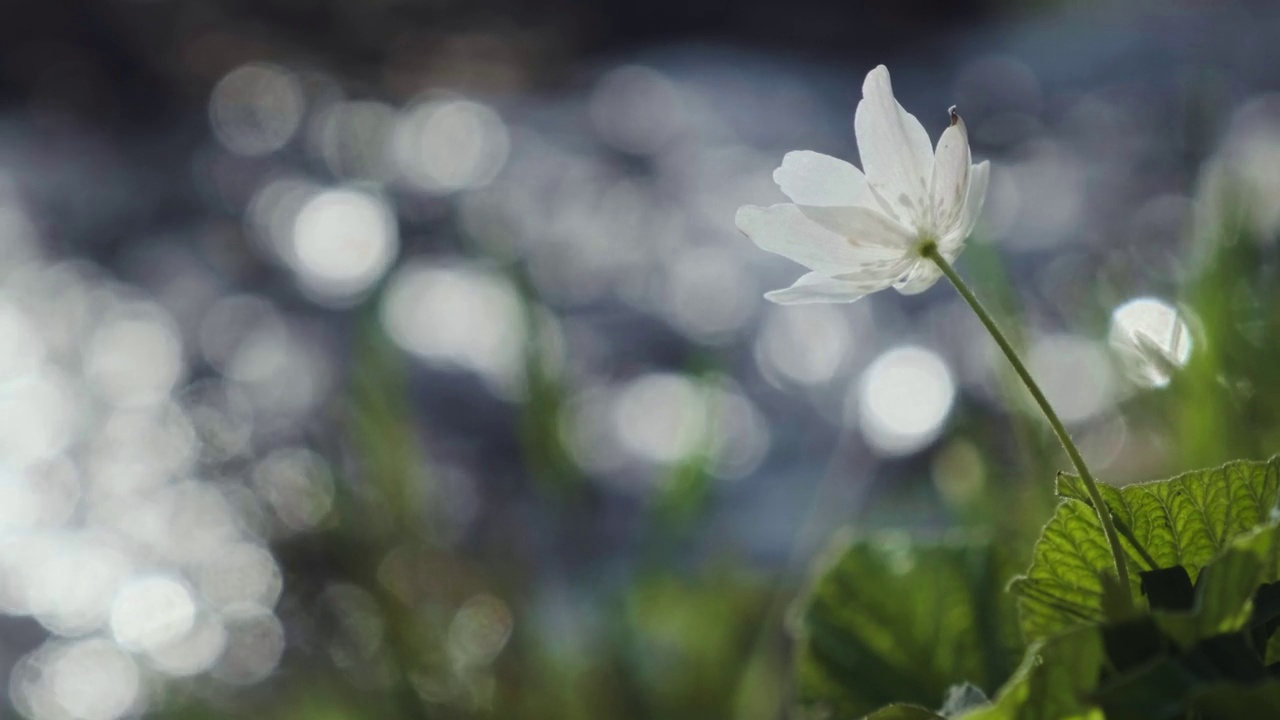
point(862, 233)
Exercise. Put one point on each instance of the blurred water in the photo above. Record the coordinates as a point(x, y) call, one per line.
point(177, 308)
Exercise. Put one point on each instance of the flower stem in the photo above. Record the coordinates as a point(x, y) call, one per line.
point(1091, 486)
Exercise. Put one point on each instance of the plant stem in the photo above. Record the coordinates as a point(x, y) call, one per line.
point(1091, 486)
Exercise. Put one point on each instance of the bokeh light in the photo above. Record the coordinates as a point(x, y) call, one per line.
point(253, 645)
point(637, 109)
point(343, 241)
point(353, 139)
point(457, 316)
point(89, 679)
point(1075, 373)
point(902, 400)
point(1151, 339)
point(256, 108)
point(297, 485)
point(661, 417)
point(446, 145)
point(479, 631)
point(395, 356)
point(149, 613)
point(807, 347)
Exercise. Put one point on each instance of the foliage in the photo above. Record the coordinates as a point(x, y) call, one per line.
point(874, 633)
point(1205, 548)
point(1183, 521)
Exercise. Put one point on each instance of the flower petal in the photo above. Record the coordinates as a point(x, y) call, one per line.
point(950, 183)
point(786, 230)
point(922, 275)
point(879, 234)
point(811, 178)
point(818, 288)
point(978, 177)
point(896, 154)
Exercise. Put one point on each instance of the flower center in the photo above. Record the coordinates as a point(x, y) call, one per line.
point(925, 244)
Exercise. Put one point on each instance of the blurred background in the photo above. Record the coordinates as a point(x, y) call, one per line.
point(400, 358)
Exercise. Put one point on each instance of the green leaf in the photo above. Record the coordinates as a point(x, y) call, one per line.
point(1054, 681)
point(1185, 520)
point(904, 712)
point(891, 620)
point(1232, 701)
point(1166, 688)
point(1221, 639)
point(1226, 590)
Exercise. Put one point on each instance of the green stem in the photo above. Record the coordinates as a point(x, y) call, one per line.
point(1091, 486)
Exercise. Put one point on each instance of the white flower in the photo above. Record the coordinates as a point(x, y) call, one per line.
point(862, 233)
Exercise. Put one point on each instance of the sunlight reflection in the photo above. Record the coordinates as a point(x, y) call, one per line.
point(457, 316)
point(151, 612)
point(447, 145)
point(806, 347)
point(254, 644)
point(352, 137)
point(256, 108)
point(343, 241)
point(193, 652)
point(297, 484)
point(70, 588)
point(637, 109)
point(241, 573)
point(479, 631)
point(89, 679)
point(1075, 374)
point(359, 625)
point(134, 357)
point(660, 417)
point(709, 295)
point(21, 347)
point(903, 399)
point(39, 417)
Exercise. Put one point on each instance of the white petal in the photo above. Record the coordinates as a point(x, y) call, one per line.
point(817, 288)
point(811, 178)
point(879, 234)
point(896, 154)
point(922, 275)
point(950, 184)
point(785, 230)
point(978, 177)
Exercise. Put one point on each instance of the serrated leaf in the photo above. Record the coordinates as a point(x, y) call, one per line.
point(1053, 682)
point(1185, 520)
point(891, 620)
